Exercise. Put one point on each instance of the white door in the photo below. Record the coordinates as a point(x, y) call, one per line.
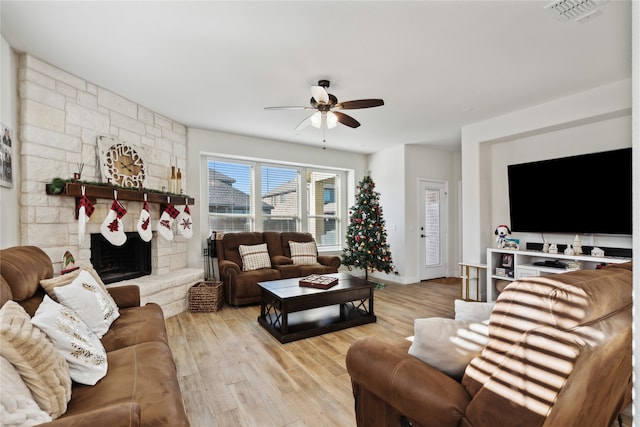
point(433, 229)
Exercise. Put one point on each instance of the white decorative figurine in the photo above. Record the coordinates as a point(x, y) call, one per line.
point(597, 252)
point(577, 246)
point(553, 248)
point(569, 250)
point(545, 247)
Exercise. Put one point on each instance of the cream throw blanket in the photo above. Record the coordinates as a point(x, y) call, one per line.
point(17, 407)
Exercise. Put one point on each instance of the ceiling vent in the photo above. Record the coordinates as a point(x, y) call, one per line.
point(578, 10)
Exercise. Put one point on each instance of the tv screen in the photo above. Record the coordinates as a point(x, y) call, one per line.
point(585, 194)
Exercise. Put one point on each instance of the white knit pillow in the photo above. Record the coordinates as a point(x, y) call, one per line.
point(76, 342)
point(304, 253)
point(254, 257)
point(447, 344)
point(17, 406)
point(93, 304)
point(40, 364)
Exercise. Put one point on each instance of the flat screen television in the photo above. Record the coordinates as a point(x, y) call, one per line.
point(585, 194)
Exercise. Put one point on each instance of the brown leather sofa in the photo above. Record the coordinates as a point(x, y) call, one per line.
point(559, 354)
point(241, 287)
point(141, 385)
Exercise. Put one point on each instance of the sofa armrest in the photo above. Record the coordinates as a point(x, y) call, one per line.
point(226, 268)
point(329, 260)
point(119, 415)
point(416, 389)
point(281, 260)
point(125, 296)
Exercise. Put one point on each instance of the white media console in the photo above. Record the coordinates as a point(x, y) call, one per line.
point(523, 264)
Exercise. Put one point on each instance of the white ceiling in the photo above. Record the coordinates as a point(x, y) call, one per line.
point(438, 65)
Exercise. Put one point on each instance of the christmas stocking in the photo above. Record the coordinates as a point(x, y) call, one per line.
point(144, 223)
point(111, 227)
point(84, 213)
point(184, 223)
point(166, 222)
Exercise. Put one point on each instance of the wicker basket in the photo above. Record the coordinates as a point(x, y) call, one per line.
point(205, 297)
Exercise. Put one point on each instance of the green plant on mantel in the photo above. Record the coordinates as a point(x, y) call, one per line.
point(58, 185)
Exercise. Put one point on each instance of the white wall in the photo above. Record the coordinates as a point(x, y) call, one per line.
point(387, 169)
point(9, 218)
point(397, 172)
point(205, 142)
point(596, 105)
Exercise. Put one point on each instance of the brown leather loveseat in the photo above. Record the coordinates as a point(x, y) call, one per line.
point(141, 386)
point(240, 286)
point(558, 354)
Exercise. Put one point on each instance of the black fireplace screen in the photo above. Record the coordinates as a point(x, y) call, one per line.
point(116, 263)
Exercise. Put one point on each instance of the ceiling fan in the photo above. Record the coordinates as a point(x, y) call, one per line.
point(327, 106)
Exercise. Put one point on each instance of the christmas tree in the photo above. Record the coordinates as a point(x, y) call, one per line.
point(366, 236)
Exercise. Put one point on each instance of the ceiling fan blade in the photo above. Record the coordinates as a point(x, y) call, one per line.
point(320, 94)
point(346, 120)
point(288, 108)
point(359, 103)
point(303, 124)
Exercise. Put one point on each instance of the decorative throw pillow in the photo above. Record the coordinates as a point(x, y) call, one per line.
point(17, 406)
point(254, 257)
point(49, 284)
point(447, 344)
point(304, 253)
point(76, 342)
point(92, 303)
point(41, 366)
point(472, 310)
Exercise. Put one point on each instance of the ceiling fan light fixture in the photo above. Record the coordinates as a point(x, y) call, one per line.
point(316, 119)
point(332, 120)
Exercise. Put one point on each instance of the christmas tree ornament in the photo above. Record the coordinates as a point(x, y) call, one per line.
point(111, 227)
point(144, 222)
point(84, 213)
point(185, 225)
point(165, 224)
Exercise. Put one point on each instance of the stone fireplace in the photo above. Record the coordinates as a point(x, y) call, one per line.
point(60, 119)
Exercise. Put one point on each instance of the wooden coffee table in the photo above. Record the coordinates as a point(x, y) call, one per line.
point(291, 312)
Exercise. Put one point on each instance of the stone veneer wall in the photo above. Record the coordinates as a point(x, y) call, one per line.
point(60, 118)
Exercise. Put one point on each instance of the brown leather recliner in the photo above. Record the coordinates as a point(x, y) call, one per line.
point(241, 287)
point(559, 354)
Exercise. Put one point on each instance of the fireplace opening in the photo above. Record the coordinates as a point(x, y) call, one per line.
point(116, 263)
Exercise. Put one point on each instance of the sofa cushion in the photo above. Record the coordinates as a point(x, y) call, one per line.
point(254, 257)
point(90, 300)
point(448, 344)
point(39, 363)
point(23, 267)
point(77, 343)
point(136, 325)
point(143, 373)
point(304, 253)
point(17, 406)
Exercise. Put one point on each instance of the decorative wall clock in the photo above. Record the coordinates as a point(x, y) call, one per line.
point(121, 162)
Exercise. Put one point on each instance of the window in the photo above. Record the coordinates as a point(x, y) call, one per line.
point(235, 205)
point(230, 196)
point(280, 201)
point(322, 208)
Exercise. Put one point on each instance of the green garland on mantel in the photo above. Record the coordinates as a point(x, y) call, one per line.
point(58, 185)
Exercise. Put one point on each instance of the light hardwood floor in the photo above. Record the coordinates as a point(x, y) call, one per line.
point(233, 373)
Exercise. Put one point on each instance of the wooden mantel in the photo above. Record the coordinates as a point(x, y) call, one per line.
point(94, 192)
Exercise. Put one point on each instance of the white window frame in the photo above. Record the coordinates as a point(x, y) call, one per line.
point(256, 218)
